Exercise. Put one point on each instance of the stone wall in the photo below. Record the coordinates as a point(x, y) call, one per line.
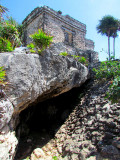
point(32, 27)
point(62, 28)
point(89, 44)
point(52, 26)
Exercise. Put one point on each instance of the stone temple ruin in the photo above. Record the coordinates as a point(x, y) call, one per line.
point(63, 28)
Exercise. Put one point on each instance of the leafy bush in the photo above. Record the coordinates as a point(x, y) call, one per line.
point(2, 75)
point(77, 58)
point(5, 45)
point(2, 82)
point(114, 90)
point(82, 60)
point(41, 40)
point(18, 26)
point(64, 54)
point(110, 70)
point(31, 46)
point(9, 32)
point(55, 158)
point(74, 56)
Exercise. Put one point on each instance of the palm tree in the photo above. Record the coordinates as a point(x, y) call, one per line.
point(114, 36)
point(115, 29)
point(3, 11)
point(18, 26)
point(106, 27)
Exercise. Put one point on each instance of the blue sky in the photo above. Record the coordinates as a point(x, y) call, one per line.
point(88, 12)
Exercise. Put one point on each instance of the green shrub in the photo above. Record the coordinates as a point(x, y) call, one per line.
point(5, 45)
point(19, 27)
point(114, 90)
point(74, 56)
point(31, 46)
point(2, 75)
point(3, 83)
point(110, 70)
point(82, 60)
point(41, 40)
point(64, 54)
point(9, 32)
point(55, 158)
point(77, 58)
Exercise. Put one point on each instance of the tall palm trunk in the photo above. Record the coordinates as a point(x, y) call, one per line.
point(114, 47)
point(109, 46)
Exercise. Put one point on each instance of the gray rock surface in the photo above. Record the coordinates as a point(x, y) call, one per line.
point(6, 111)
point(33, 76)
point(93, 128)
point(8, 143)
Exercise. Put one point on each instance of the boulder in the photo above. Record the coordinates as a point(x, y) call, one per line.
point(34, 77)
point(6, 111)
point(8, 143)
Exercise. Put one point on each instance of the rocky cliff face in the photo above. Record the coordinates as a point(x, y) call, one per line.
point(33, 78)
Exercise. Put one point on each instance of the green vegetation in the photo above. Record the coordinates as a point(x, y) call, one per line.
point(31, 46)
point(80, 59)
point(109, 26)
point(18, 26)
point(10, 32)
point(64, 54)
point(28, 158)
point(2, 75)
point(110, 70)
point(75, 56)
point(40, 41)
point(3, 83)
point(5, 45)
point(55, 158)
point(3, 12)
point(114, 90)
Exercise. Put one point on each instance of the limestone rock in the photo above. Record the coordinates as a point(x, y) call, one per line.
point(34, 76)
point(110, 151)
point(6, 111)
point(116, 144)
point(8, 143)
point(37, 153)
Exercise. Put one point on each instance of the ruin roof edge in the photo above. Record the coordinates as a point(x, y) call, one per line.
point(66, 18)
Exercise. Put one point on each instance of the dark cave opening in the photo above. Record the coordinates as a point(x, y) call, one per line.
point(39, 122)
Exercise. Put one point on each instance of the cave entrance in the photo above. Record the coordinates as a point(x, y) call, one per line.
point(40, 122)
